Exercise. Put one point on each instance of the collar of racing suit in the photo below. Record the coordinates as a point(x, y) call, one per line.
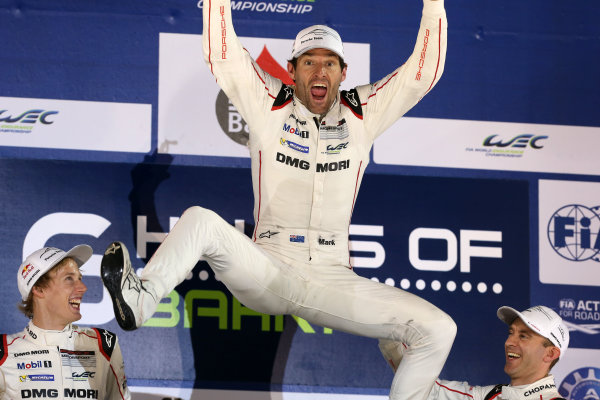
point(543, 388)
point(330, 118)
point(44, 337)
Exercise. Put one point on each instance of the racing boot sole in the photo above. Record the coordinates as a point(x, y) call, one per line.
point(115, 270)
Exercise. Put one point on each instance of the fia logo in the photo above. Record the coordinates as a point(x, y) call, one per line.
point(574, 232)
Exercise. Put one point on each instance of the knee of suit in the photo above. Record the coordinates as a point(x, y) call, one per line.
point(200, 214)
point(441, 330)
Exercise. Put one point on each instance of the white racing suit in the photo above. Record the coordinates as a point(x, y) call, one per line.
point(544, 389)
point(78, 363)
point(306, 175)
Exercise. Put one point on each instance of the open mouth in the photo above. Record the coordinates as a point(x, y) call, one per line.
point(318, 91)
point(513, 356)
point(75, 303)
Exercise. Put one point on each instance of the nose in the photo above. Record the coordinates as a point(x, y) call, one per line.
point(320, 69)
point(510, 340)
point(81, 287)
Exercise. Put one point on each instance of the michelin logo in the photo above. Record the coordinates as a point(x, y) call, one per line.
point(294, 146)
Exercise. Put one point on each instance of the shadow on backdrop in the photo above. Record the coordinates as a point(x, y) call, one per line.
point(232, 347)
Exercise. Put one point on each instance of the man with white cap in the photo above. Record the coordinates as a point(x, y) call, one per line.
point(537, 339)
point(309, 145)
point(51, 358)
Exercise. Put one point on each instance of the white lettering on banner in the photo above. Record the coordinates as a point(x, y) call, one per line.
point(587, 316)
point(269, 7)
point(144, 237)
point(367, 246)
point(467, 250)
point(435, 234)
point(235, 121)
point(74, 224)
point(588, 305)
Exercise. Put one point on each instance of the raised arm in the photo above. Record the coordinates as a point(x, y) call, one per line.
point(391, 97)
point(248, 87)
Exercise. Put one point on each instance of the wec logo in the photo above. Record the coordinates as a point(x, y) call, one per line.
point(83, 375)
point(520, 141)
point(28, 117)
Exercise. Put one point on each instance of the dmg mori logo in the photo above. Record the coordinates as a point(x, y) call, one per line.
point(574, 232)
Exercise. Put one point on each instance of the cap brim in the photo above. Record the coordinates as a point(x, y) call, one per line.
point(80, 253)
point(316, 46)
point(508, 315)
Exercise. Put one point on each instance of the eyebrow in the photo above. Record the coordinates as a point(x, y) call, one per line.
point(312, 53)
point(525, 330)
point(79, 275)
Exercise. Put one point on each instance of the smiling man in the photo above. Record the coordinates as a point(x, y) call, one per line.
point(52, 358)
point(537, 339)
point(309, 147)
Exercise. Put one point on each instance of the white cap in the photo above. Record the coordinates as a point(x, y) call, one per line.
point(317, 37)
point(542, 320)
point(41, 261)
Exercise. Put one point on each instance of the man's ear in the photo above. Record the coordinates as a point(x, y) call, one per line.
point(344, 71)
point(291, 71)
point(552, 353)
point(38, 292)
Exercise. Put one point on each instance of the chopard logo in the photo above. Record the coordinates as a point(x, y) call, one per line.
point(267, 234)
point(539, 389)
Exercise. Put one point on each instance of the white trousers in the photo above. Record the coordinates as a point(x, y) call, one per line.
point(330, 296)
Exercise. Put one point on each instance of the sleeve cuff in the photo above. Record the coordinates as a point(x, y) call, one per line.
point(433, 7)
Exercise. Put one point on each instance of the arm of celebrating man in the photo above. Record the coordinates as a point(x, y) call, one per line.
point(390, 98)
point(250, 89)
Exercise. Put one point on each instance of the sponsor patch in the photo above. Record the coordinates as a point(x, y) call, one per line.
point(36, 378)
point(336, 149)
point(84, 359)
point(338, 132)
point(294, 146)
point(267, 234)
point(297, 238)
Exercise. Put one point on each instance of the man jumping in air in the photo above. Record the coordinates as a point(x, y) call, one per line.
point(297, 261)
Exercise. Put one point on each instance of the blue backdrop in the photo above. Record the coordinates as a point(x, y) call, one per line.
point(532, 62)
